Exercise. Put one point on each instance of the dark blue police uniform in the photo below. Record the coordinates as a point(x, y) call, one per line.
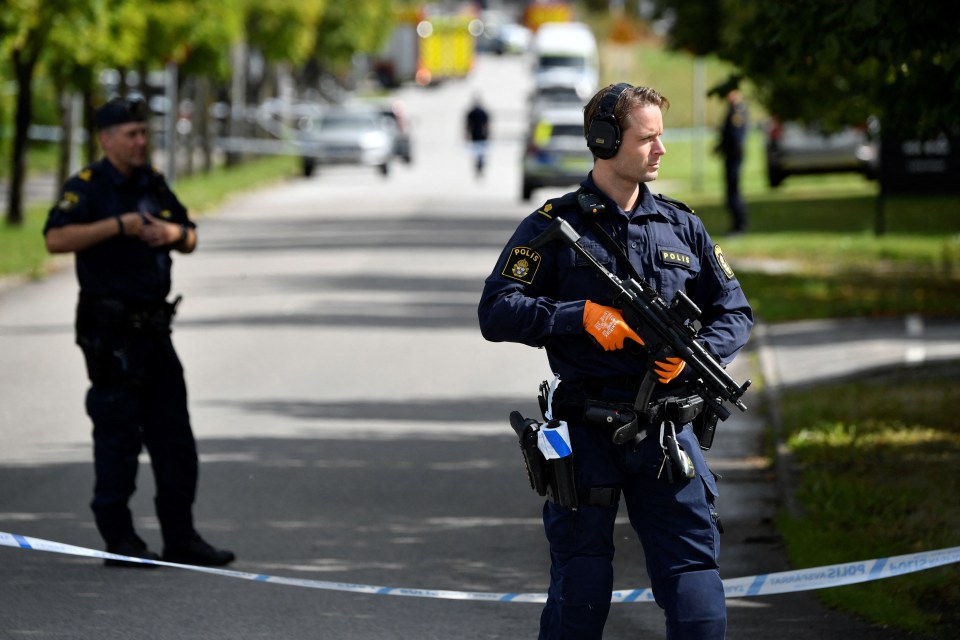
point(536, 297)
point(138, 395)
point(733, 135)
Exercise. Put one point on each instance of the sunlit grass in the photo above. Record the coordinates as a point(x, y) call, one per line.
point(876, 460)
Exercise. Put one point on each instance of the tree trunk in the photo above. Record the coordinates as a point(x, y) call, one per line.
point(238, 101)
point(24, 66)
point(89, 122)
point(201, 115)
point(188, 89)
point(65, 104)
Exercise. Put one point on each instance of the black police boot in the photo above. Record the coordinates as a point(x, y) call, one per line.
point(196, 550)
point(134, 547)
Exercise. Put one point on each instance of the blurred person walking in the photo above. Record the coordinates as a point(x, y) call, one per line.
point(478, 133)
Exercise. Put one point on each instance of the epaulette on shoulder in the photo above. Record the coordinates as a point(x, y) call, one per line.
point(673, 203)
point(86, 174)
point(546, 210)
point(550, 207)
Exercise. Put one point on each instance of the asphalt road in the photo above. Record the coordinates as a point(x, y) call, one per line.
point(351, 422)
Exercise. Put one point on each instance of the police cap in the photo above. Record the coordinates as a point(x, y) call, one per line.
point(121, 111)
point(722, 89)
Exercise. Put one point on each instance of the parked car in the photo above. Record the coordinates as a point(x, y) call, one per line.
point(512, 38)
point(401, 147)
point(795, 149)
point(556, 154)
point(555, 94)
point(347, 135)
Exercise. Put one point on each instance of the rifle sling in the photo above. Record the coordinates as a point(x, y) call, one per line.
point(642, 401)
point(611, 245)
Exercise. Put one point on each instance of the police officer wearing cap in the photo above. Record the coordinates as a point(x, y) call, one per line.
point(120, 218)
point(733, 135)
point(548, 297)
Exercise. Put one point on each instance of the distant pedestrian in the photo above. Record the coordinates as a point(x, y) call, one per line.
point(733, 135)
point(122, 220)
point(478, 132)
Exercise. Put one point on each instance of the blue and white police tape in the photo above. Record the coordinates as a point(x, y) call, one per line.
point(835, 575)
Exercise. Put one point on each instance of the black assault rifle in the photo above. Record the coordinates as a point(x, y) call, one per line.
point(665, 328)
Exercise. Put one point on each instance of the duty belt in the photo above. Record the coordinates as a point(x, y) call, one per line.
point(626, 422)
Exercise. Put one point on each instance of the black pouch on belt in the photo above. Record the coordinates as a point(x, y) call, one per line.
point(705, 427)
point(620, 418)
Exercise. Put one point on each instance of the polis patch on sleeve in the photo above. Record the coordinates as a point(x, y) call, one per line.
point(727, 271)
point(522, 265)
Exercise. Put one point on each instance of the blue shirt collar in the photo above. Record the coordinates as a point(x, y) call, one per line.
point(646, 204)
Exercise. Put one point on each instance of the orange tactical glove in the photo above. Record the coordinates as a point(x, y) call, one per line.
point(668, 368)
point(607, 326)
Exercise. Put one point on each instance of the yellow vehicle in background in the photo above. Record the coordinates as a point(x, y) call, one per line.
point(539, 12)
point(428, 46)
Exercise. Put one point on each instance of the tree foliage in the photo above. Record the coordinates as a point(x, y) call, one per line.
point(72, 41)
point(284, 30)
point(838, 62)
point(348, 28)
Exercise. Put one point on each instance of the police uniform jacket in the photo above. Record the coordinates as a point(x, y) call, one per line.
point(537, 296)
point(123, 267)
point(734, 131)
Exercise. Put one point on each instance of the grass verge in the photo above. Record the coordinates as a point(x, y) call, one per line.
point(876, 459)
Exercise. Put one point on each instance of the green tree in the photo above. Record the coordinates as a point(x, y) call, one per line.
point(361, 26)
point(25, 30)
point(284, 30)
point(838, 62)
point(75, 53)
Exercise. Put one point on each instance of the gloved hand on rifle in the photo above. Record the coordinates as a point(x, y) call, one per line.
point(607, 326)
point(668, 368)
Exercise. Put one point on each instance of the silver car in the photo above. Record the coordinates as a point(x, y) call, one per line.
point(556, 154)
point(347, 136)
point(797, 149)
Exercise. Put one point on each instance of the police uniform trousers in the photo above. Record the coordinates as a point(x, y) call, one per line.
point(677, 525)
point(137, 399)
point(735, 204)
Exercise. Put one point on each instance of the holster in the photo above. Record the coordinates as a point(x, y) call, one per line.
point(534, 461)
point(551, 478)
point(113, 335)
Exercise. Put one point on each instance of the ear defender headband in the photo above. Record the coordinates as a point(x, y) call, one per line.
point(603, 136)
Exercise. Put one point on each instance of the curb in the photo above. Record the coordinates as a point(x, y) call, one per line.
point(783, 457)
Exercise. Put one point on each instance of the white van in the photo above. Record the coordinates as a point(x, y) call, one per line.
point(565, 54)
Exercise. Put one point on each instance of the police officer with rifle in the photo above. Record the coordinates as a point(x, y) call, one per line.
point(639, 313)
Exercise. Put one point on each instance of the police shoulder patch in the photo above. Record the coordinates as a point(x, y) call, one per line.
point(724, 265)
point(522, 265)
point(68, 201)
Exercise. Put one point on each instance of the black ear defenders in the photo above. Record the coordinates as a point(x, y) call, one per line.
point(603, 136)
